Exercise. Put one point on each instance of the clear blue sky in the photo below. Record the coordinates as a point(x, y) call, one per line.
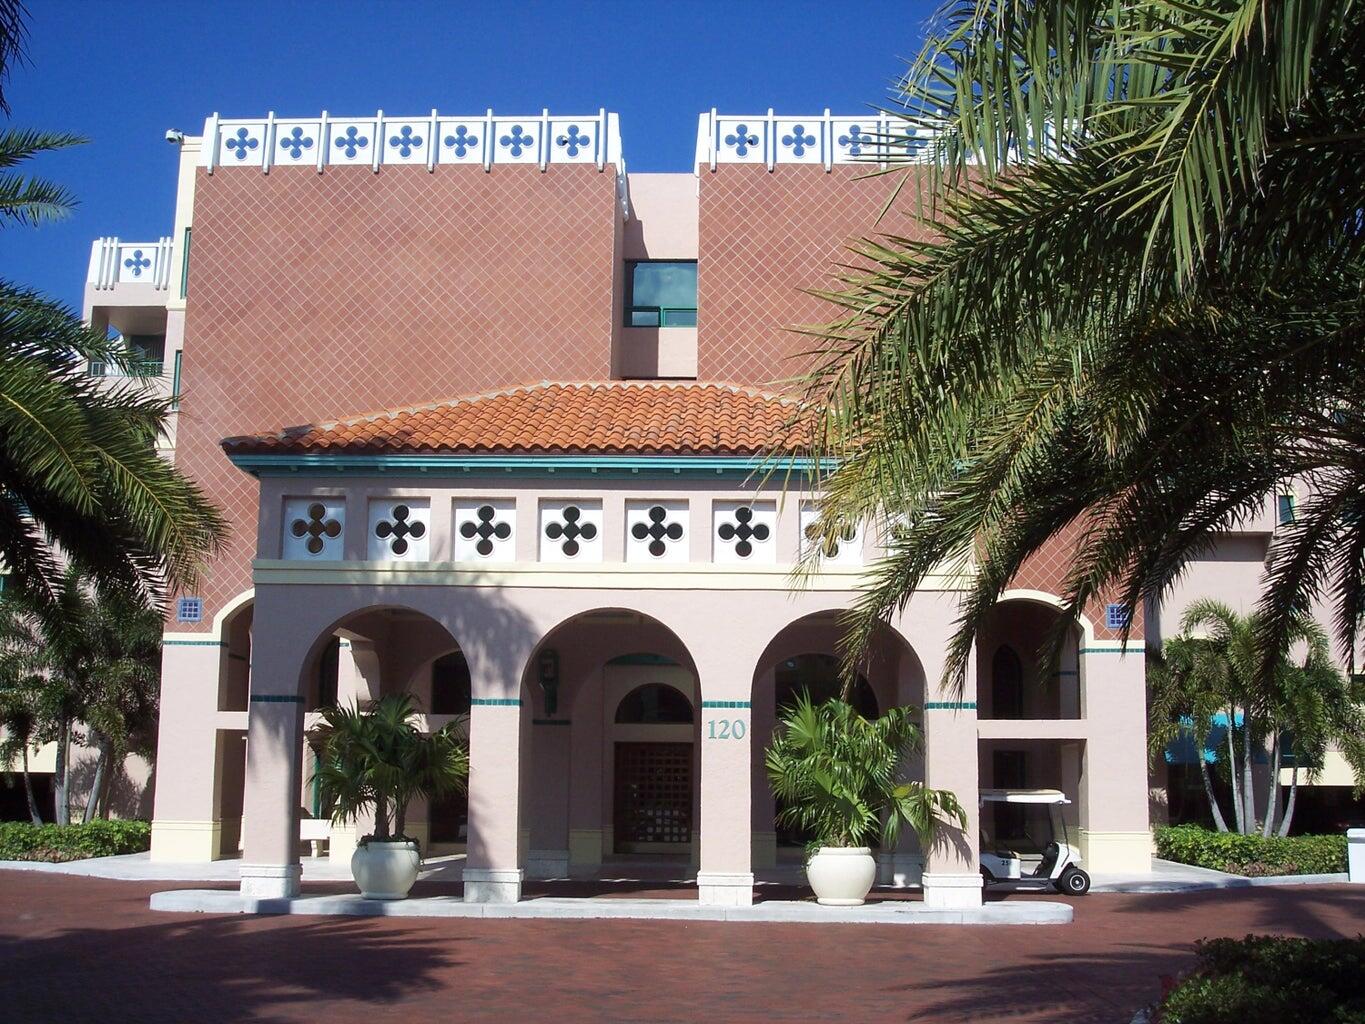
point(121, 73)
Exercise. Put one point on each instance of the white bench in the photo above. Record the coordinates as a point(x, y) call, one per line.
point(316, 831)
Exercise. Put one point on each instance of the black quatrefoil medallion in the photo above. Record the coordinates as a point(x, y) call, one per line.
point(570, 530)
point(656, 532)
point(317, 526)
point(485, 529)
point(400, 529)
point(742, 530)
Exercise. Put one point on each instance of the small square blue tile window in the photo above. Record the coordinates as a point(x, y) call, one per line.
point(1286, 509)
point(1117, 616)
point(189, 609)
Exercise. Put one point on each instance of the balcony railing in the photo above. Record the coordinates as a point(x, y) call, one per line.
point(135, 368)
point(115, 262)
point(822, 139)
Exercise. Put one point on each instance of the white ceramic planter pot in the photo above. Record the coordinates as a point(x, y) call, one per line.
point(841, 876)
point(385, 871)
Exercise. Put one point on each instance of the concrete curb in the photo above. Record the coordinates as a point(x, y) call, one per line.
point(217, 901)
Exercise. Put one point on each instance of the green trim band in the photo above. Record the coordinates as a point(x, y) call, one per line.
point(276, 698)
point(193, 643)
point(527, 465)
point(550, 721)
point(725, 704)
point(1113, 650)
point(495, 702)
point(950, 705)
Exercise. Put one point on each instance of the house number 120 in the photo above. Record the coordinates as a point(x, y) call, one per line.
point(726, 729)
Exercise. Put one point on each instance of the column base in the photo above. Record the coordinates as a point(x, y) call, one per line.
point(186, 842)
point(585, 847)
point(763, 849)
point(725, 889)
point(900, 869)
point(547, 864)
point(1116, 852)
point(271, 881)
point(944, 891)
point(492, 885)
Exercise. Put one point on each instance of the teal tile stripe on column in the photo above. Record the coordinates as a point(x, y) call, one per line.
point(496, 702)
point(725, 704)
point(950, 705)
point(192, 643)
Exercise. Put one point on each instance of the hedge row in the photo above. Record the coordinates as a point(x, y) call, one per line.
point(1270, 980)
point(22, 840)
point(1252, 855)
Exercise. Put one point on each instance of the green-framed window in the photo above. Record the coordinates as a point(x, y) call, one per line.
point(661, 293)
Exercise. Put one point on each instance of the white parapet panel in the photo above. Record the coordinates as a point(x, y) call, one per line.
point(822, 139)
point(114, 262)
point(379, 139)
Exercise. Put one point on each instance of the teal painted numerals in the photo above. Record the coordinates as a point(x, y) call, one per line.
point(726, 728)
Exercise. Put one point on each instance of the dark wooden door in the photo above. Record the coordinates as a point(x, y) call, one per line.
point(653, 801)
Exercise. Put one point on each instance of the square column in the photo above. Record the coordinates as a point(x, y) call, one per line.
point(274, 745)
point(187, 819)
point(726, 876)
point(952, 867)
point(493, 872)
point(1115, 833)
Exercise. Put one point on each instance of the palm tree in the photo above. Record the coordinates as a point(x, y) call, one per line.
point(379, 759)
point(79, 470)
point(1183, 699)
point(1137, 313)
point(1215, 672)
point(88, 669)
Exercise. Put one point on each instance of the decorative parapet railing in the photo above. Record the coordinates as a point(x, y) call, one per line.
point(114, 262)
point(380, 140)
point(824, 139)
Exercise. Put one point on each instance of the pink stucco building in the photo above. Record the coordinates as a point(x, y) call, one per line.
point(497, 412)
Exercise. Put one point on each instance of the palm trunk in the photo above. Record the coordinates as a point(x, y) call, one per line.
point(400, 818)
point(33, 812)
point(1289, 804)
point(1248, 784)
point(60, 777)
point(381, 819)
point(1237, 808)
point(97, 781)
point(1272, 797)
point(1218, 820)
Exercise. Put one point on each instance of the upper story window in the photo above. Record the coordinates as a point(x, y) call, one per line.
point(661, 293)
point(146, 356)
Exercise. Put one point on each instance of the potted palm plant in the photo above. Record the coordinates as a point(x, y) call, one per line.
point(379, 759)
point(837, 776)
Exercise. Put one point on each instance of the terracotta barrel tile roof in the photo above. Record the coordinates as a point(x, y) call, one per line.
point(611, 418)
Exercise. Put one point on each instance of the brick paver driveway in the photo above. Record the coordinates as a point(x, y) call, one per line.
point(74, 950)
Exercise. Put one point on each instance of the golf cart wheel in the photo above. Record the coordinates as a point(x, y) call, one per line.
point(986, 877)
point(1074, 882)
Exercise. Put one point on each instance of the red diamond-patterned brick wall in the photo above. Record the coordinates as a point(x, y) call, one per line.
point(1047, 571)
point(316, 296)
point(764, 238)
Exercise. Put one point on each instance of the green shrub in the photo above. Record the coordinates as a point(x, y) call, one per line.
point(1252, 855)
point(1265, 979)
point(21, 840)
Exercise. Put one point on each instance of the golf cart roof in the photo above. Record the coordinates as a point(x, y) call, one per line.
point(1023, 796)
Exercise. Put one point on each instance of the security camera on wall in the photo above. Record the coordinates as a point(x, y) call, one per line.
point(175, 136)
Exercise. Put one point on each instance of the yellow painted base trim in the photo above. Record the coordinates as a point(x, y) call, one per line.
point(1114, 852)
point(186, 842)
point(763, 849)
point(585, 846)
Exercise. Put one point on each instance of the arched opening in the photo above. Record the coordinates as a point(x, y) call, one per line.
point(806, 656)
point(611, 772)
point(820, 676)
point(1007, 683)
point(229, 755)
point(654, 704)
point(362, 657)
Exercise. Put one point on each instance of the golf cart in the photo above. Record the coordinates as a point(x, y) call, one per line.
point(1024, 839)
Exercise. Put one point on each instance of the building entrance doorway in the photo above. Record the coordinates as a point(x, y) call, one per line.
point(653, 798)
